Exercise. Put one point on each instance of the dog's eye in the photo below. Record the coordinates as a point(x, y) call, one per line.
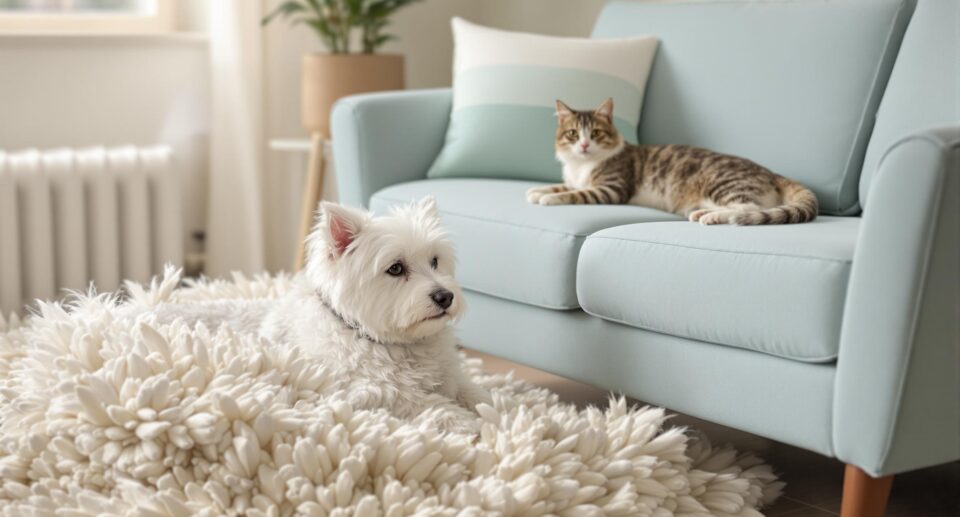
point(396, 269)
point(433, 263)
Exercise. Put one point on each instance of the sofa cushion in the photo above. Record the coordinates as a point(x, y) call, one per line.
point(792, 85)
point(508, 247)
point(774, 289)
point(505, 88)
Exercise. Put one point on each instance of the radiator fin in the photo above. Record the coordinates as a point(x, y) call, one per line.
point(134, 211)
point(69, 231)
point(10, 285)
point(36, 226)
point(103, 244)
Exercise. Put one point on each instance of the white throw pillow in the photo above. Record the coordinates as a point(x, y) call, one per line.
point(504, 91)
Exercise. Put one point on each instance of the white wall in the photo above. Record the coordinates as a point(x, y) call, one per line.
point(556, 17)
point(70, 91)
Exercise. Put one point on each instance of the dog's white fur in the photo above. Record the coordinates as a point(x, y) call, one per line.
point(387, 343)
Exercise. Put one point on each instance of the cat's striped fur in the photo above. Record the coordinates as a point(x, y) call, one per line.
point(705, 186)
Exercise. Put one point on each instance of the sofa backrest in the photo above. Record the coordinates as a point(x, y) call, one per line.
point(924, 87)
point(792, 85)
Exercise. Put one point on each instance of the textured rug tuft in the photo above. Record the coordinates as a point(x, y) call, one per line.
point(102, 415)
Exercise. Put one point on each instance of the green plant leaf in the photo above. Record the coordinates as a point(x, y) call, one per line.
point(379, 8)
point(354, 8)
point(334, 20)
point(286, 10)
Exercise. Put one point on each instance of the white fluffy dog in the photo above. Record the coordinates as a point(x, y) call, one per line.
point(375, 301)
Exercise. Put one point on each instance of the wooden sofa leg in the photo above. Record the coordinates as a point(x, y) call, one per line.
point(864, 496)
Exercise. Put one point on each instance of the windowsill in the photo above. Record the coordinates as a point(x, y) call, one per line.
point(93, 36)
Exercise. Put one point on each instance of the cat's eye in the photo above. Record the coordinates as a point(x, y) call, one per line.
point(571, 133)
point(434, 263)
point(396, 269)
point(596, 133)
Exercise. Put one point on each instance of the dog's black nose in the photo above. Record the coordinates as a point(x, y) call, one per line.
point(442, 297)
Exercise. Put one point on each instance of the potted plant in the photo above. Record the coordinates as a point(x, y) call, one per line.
point(328, 76)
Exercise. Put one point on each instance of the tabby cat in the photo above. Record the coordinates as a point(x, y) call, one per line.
point(705, 186)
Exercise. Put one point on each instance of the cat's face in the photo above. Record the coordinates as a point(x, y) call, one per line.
point(586, 135)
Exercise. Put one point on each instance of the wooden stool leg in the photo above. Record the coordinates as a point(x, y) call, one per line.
point(312, 190)
point(864, 496)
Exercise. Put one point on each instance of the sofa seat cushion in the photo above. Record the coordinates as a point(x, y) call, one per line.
point(773, 289)
point(508, 247)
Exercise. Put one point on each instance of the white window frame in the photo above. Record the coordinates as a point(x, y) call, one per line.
point(163, 20)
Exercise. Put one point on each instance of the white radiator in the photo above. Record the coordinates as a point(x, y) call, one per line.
point(69, 217)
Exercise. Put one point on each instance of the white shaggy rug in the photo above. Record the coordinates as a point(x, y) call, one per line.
point(103, 416)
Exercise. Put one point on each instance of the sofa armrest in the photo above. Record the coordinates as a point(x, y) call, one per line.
point(897, 398)
point(384, 138)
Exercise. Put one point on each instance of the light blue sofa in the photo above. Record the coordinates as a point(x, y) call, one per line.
point(841, 336)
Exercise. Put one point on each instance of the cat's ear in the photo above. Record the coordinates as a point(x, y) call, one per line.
point(337, 227)
point(605, 110)
point(563, 110)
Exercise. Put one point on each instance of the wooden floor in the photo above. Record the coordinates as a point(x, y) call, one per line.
point(814, 482)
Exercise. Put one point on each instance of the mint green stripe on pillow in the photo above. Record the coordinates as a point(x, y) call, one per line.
point(528, 85)
point(505, 142)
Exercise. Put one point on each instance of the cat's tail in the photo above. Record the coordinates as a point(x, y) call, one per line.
point(799, 206)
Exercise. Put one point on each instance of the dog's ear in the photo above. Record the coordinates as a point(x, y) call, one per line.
point(338, 226)
point(428, 207)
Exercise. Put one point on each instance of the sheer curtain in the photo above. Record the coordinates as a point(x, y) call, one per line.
point(235, 218)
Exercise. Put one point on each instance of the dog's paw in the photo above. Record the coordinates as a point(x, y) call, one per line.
point(364, 397)
point(471, 398)
point(461, 426)
point(451, 419)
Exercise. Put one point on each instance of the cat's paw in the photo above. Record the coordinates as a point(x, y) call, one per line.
point(534, 194)
point(696, 215)
point(718, 217)
point(552, 199)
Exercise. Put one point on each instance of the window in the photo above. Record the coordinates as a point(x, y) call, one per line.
point(128, 16)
